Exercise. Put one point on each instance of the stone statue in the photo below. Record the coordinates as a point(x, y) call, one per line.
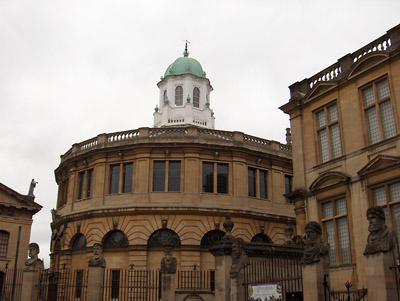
point(380, 238)
point(315, 247)
point(34, 263)
point(97, 260)
point(292, 240)
point(32, 187)
point(168, 263)
point(239, 257)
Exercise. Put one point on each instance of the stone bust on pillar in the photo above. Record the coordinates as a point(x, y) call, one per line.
point(239, 257)
point(315, 247)
point(168, 263)
point(97, 259)
point(34, 263)
point(380, 238)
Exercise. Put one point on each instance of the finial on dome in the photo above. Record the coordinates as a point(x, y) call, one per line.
point(186, 53)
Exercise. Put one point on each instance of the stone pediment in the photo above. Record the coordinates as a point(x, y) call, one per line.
point(11, 198)
point(328, 180)
point(320, 88)
point(367, 62)
point(379, 163)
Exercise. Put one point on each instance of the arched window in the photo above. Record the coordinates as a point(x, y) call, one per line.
point(261, 237)
point(164, 237)
point(4, 236)
point(196, 97)
point(179, 96)
point(212, 237)
point(79, 242)
point(116, 238)
point(165, 95)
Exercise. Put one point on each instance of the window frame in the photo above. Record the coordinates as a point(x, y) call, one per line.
point(178, 98)
point(121, 177)
point(84, 185)
point(196, 98)
point(4, 242)
point(334, 218)
point(168, 175)
point(216, 183)
point(378, 113)
point(257, 183)
point(327, 128)
point(288, 187)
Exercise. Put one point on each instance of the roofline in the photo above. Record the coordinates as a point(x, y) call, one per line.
point(27, 199)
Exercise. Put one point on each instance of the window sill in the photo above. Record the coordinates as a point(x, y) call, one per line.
point(380, 143)
point(343, 267)
point(330, 162)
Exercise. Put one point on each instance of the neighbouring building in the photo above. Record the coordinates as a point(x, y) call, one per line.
point(136, 191)
point(16, 212)
point(346, 150)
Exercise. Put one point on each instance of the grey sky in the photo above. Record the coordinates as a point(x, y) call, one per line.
point(70, 70)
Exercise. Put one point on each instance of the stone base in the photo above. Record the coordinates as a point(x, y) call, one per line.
point(30, 285)
point(95, 283)
point(381, 282)
point(313, 279)
point(168, 287)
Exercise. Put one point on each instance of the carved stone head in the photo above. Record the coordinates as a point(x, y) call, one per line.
point(313, 232)
point(376, 219)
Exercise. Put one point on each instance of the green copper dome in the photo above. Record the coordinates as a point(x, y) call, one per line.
point(185, 65)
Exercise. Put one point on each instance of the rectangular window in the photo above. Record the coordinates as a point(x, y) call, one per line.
point(89, 180)
point(85, 182)
point(115, 282)
point(114, 179)
point(81, 182)
point(328, 133)
point(263, 184)
point(78, 284)
point(63, 194)
point(167, 176)
point(128, 177)
point(251, 180)
point(388, 197)
point(288, 187)
point(378, 111)
point(336, 230)
point(210, 181)
point(4, 243)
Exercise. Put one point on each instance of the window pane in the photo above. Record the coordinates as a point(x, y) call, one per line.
point(323, 146)
point(332, 113)
point(335, 141)
point(178, 96)
point(389, 129)
point(327, 210)
point(115, 276)
point(343, 240)
point(368, 96)
point(394, 192)
point(341, 207)
point(330, 238)
point(196, 97)
point(263, 184)
point(222, 178)
point(288, 187)
point(321, 119)
point(174, 176)
point(251, 180)
point(128, 177)
point(89, 183)
point(208, 177)
point(383, 89)
point(81, 178)
point(372, 124)
point(396, 219)
point(3, 243)
point(379, 196)
point(114, 178)
point(159, 176)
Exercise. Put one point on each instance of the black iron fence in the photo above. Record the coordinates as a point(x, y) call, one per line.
point(343, 295)
point(10, 284)
point(131, 284)
point(63, 285)
point(278, 271)
point(196, 280)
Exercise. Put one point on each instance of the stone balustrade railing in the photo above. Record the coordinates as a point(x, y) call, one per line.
point(176, 135)
point(388, 42)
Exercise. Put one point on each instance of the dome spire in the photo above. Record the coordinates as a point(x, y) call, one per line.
point(186, 53)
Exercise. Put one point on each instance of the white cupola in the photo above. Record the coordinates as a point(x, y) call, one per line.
point(184, 95)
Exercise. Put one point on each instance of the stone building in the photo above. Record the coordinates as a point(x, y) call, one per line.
point(16, 212)
point(346, 145)
point(136, 191)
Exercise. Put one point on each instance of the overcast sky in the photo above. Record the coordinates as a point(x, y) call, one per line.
point(70, 70)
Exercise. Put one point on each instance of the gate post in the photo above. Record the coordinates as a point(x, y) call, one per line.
point(95, 283)
point(30, 285)
point(223, 263)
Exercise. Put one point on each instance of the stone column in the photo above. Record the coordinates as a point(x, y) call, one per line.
point(223, 263)
point(30, 285)
point(313, 279)
point(167, 287)
point(95, 283)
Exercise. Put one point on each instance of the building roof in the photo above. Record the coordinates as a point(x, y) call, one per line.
point(24, 201)
point(185, 65)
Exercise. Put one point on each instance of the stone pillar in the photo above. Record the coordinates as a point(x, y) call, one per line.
point(381, 282)
point(30, 285)
point(95, 283)
point(167, 287)
point(223, 263)
point(313, 279)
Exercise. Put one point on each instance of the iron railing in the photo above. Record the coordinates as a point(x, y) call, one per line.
point(196, 280)
point(347, 295)
point(10, 284)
